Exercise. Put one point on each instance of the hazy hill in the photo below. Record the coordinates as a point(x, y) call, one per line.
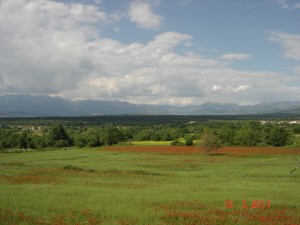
point(42, 105)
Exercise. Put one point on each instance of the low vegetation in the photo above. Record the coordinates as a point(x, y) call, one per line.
point(225, 133)
point(150, 185)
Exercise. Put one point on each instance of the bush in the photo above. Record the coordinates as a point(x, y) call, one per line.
point(280, 137)
point(296, 130)
point(188, 140)
point(175, 142)
point(60, 143)
point(210, 141)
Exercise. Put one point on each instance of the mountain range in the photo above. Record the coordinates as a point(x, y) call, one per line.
point(43, 106)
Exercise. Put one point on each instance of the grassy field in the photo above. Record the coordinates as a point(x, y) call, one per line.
point(119, 186)
point(161, 143)
point(151, 143)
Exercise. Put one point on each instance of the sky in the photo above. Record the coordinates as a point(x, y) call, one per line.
point(177, 52)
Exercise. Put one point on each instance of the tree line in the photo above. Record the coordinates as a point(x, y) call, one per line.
point(251, 133)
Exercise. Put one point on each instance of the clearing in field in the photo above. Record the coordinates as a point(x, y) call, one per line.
point(150, 185)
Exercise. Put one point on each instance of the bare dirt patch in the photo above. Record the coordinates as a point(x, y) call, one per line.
point(83, 217)
point(198, 213)
point(32, 179)
point(40, 176)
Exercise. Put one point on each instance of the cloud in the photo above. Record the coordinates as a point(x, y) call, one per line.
point(167, 41)
point(287, 4)
point(183, 2)
point(216, 87)
point(235, 56)
point(229, 89)
point(289, 42)
point(49, 47)
point(283, 3)
point(241, 88)
point(141, 13)
point(43, 44)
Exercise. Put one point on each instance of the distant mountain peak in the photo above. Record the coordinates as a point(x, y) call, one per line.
point(44, 105)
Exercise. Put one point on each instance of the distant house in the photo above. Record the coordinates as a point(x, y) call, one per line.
point(294, 122)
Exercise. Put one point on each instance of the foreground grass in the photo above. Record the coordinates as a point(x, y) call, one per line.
point(95, 186)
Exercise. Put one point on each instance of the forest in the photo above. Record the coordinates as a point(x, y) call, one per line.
point(63, 132)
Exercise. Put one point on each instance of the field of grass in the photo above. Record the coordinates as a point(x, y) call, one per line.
point(151, 143)
point(161, 143)
point(119, 186)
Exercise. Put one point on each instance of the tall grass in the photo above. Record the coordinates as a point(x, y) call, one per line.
point(94, 186)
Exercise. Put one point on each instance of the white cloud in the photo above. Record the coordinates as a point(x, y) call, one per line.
point(287, 4)
point(229, 89)
point(283, 3)
point(235, 56)
point(141, 13)
point(241, 88)
point(43, 44)
point(47, 47)
point(216, 87)
point(167, 41)
point(289, 42)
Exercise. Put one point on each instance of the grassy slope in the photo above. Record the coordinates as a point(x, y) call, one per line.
point(105, 187)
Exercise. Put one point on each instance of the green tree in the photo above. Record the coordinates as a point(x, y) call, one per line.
point(111, 135)
point(58, 136)
point(188, 140)
point(226, 135)
point(23, 141)
point(91, 136)
point(38, 142)
point(79, 140)
point(249, 134)
point(280, 137)
point(296, 129)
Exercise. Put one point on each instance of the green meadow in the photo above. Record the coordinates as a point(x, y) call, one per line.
point(97, 186)
point(151, 143)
